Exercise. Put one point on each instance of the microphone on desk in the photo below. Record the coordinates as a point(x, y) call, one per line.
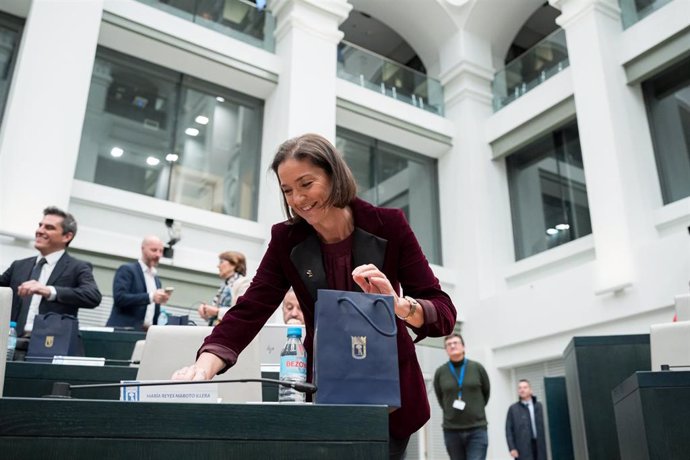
point(63, 389)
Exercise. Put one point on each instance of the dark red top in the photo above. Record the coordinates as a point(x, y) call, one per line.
point(294, 258)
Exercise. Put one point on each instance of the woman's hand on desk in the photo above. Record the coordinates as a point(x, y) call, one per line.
point(205, 368)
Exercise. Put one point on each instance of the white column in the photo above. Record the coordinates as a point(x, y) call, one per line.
point(607, 120)
point(41, 130)
point(473, 188)
point(304, 101)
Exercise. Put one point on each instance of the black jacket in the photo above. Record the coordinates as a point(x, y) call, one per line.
point(73, 282)
point(519, 430)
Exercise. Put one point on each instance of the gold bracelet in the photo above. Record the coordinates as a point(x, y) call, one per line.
point(413, 308)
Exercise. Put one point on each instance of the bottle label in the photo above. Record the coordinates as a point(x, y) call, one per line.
point(293, 366)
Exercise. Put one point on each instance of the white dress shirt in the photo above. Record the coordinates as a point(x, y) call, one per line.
point(46, 271)
point(150, 279)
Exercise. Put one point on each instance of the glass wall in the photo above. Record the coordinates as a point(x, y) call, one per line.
point(156, 132)
point(245, 20)
point(389, 78)
point(385, 175)
point(10, 33)
point(548, 193)
point(667, 97)
point(531, 69)
point(635, 10)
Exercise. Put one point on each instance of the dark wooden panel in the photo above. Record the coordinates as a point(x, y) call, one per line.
point(116, 345)
point(87, 418)
point(115, 449)
point(82, 429)
point(593, 367)
point(559, 418)
point(651, 415)
point(34, 380)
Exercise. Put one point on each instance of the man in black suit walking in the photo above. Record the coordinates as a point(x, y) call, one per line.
point(54, 281)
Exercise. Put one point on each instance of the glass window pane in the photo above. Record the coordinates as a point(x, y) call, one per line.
point(384, 175)
point(667, 96)
point(156, 132)
point(10, 32)
point(130, 119)
point(548, 193)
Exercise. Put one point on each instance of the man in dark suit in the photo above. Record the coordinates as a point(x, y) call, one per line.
point(525, 426)
point(54, 281)
point(137, 292)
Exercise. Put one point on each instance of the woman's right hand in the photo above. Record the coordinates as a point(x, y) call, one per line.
point(205, 368)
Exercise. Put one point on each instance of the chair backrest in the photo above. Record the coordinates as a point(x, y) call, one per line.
point(137, 353)
point(169, 348)
point(683, 307)
point(5, 312)
point(670, 344)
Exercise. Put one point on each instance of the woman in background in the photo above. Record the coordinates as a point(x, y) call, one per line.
point(232, 269)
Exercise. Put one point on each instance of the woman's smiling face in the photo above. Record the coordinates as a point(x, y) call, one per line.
point(306, 188)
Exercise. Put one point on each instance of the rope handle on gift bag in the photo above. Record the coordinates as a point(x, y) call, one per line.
point(369, 320)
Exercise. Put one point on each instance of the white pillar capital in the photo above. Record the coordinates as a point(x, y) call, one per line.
point(574, 10)
point(316, 17)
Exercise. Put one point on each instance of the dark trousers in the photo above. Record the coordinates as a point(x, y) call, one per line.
point(397, 447)
point(469, 444)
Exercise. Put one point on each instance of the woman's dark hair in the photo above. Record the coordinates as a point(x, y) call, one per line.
point(237, 259)
point(320, 152)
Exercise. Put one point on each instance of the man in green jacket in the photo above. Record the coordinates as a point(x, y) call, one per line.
point(462, 388)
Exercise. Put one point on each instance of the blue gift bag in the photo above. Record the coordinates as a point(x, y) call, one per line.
point(54, 334)
point(355, 349)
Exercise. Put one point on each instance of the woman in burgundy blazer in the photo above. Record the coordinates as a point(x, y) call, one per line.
point(334, 240)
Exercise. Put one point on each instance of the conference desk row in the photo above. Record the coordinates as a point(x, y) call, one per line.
point(88, 429)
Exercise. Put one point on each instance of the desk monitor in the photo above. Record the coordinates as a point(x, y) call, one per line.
point(169, 348)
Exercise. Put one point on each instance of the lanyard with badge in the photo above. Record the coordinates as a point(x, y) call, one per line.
point(458, 404)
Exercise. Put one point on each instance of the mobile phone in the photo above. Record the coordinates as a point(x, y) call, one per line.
point(169, 290)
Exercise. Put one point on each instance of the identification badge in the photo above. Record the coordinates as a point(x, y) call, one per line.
point(459, 404)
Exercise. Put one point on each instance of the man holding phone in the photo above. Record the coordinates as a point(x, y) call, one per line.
point(137, 292)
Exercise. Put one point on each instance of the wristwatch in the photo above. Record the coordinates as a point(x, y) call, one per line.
point(413, 308)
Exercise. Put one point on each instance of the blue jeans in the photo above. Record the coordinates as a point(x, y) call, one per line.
point(466, 444)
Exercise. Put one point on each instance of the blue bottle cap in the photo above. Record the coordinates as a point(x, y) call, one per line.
point(13, 324)
point(296, 331)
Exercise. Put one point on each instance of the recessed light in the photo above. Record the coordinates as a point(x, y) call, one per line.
point(562, 226)
point(551, 231)
point(220, 99)
point(191, 131)
point(116, 152)
point(152, 161)
point(202, 120)
point(171, 157)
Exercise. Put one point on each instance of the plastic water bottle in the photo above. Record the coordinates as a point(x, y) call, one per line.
point(12, 341)
point(293, 366)
point(163, 317)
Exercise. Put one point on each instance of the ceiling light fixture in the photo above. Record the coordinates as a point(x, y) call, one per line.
point(172, 157)
point(116, 152)
point(152, 161)
point(191, 131)
point(202, 120)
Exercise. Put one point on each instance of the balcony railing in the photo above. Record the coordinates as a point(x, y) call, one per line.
point(534, 66)
point(635, 10)
point(387, 77)
point(240, 19)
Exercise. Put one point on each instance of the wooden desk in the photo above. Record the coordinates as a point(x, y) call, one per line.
point(88, 429)
point(652, 415)
point(34, 380)
point(116, 345)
